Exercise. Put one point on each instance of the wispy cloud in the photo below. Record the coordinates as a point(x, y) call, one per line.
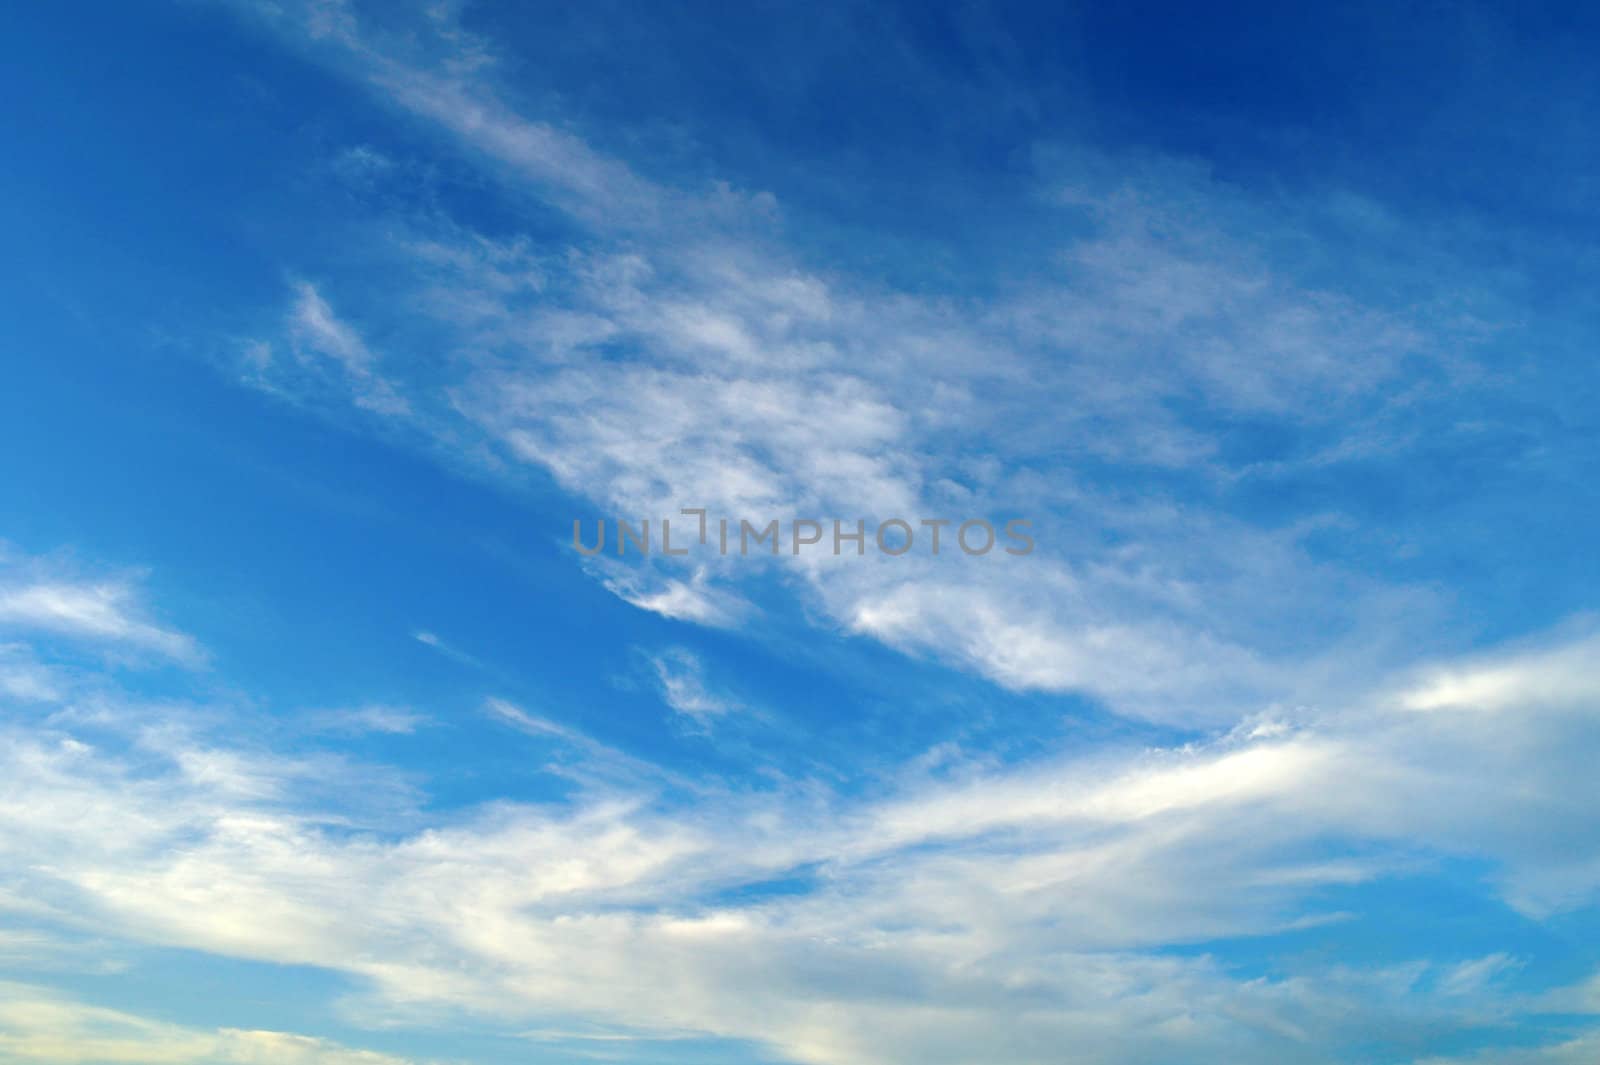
point(681, 677)
point(315, 331)
point(1027, 899)
point(695, 599)
point(104, 612)
point(23, 677)
point(579, 755)
point(681, 353)
point(444, 647)
point(389, 720)
point(39, 1025)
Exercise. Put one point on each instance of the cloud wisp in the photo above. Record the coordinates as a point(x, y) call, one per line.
point(39, 1025)
point(678, 351)
point(107, 613)
point(991, 913)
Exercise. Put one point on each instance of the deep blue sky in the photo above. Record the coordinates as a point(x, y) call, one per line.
point(324, 321)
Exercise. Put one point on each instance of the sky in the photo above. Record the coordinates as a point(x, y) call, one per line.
point(324, 322)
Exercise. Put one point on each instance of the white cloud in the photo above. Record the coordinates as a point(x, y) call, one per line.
point(988, 914)
point(315, 330)
point(39, 1025)
point(575, 754)
point(1566, 674)
point(695, 600)
point(106, 612)
point(24, 678)
point(1580, 1051)
point(444, 647)
point(391, 720)
point(681, 355)
point(681, 677)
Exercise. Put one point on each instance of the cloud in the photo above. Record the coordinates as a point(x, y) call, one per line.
point(102, 612)
point(1569, 673)
point(986, 913)
point(389, 720)
point(39, 1025)
point(449, 650)
point(576, 754)
point(314, 330)
point(678, 351)
point(1579, 1051)
point(681, 677)
point(23, 678)
point(695, 599)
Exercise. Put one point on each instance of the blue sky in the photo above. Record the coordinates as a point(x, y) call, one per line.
point(321, 745)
